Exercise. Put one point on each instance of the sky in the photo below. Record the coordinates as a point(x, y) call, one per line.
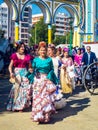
point(1, 1)
point(37, 10)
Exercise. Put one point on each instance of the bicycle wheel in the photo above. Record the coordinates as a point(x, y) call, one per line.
point(91, 78)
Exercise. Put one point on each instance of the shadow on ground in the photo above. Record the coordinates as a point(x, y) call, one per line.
point(74, 105)
point(5, 87)
point(72, 108)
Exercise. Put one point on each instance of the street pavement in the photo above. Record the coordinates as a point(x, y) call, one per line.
point(80, 113)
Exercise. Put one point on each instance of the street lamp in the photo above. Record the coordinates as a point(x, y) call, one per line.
point(19, 2)
point(35, 34)
point(71, 34)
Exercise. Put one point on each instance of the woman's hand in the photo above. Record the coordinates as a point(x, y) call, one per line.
point(49, 81)
point(75, 63)
point(12, 75)
point(30, 70)
point(63, 67)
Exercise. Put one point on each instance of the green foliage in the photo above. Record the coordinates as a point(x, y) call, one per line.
point(68, 38)
point(59, 40)
point(39, 32)
point(62, 39)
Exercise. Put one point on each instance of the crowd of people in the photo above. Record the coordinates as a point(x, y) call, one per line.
point(43, 75)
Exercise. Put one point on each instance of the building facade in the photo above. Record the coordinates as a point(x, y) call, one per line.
point(85, 13)
point(25, 25)
point(4, 19)
point(63, 24)
point(8, 25)
point(36, 18)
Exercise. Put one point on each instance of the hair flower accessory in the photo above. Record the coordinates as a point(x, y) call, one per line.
point(18, 43)
point(66, 49)
point(42, 44)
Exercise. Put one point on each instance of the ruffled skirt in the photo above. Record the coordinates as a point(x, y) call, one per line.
point(43, 99)
point(20, 94)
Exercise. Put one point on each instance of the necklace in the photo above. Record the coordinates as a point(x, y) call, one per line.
point(20, 56)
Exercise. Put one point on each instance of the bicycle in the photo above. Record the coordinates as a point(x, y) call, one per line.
point(90, 78)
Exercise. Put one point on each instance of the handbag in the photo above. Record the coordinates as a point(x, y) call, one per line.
point(12, 80)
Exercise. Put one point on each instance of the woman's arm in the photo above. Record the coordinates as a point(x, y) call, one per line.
point(30, 69)
point(10, 68)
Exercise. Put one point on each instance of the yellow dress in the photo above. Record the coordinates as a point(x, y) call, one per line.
point(66, 82)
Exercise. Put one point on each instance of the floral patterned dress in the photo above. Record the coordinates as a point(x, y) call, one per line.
point(44, 88)
point(67, 75)
point(20, 94)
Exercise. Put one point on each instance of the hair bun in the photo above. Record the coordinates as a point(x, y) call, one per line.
point(42, 44)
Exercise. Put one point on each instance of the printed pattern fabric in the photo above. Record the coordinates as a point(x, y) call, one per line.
point(43, 98)
point(20, 94)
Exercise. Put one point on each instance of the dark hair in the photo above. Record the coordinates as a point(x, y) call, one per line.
point(18, 45)
point(52, 48)
point(59, 50)
point(79, 49)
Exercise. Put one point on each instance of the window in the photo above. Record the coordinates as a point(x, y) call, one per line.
point(26, 19)
point(24, 25)
point(26, 14)
point(26, 9)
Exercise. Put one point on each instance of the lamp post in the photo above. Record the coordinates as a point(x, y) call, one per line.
point(49, 34)
point(35, 34)
point(71, 35)
point(71, 39)
point(50, 26)
point(17, 22)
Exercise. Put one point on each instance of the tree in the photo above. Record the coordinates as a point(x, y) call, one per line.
point(53, 32)
point(39, 32)
point(62, 39)
point(59, 40)
point(67, 38)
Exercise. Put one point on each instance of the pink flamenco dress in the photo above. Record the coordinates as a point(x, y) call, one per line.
point(20, 94)
point(78, 67)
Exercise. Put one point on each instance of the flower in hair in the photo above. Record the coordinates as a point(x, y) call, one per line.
point(35, 46)
point(66, 49)
point(42, 44)
point(18, 43)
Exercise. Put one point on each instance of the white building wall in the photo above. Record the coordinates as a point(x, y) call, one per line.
point(4, 19)
point(25, 25)
point(62, 23)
